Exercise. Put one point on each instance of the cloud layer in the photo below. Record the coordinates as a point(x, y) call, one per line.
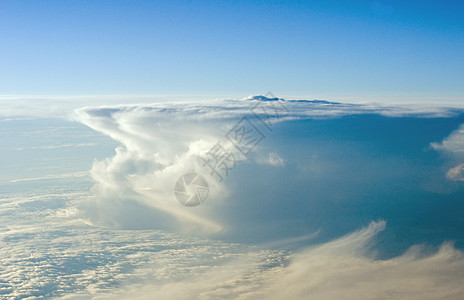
point(340, 269)
point(48, 253)
point(322, 171)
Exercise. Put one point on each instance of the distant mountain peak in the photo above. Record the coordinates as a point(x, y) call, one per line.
point(273, 98)
point(264, 98)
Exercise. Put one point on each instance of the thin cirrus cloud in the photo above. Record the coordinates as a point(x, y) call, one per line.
point(51, 147)
point(55, 176)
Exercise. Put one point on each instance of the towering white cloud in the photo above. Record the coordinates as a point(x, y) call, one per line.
point(161, 142)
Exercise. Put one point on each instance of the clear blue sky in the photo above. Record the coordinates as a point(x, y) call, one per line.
point(232, 47)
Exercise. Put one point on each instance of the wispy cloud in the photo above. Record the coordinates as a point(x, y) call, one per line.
point(51, 147)
point(53, 176)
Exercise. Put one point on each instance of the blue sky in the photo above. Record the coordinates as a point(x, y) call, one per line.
point(233, 48)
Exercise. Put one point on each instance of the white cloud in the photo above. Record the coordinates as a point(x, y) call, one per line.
point(26, 107)
point(275, 159)
point(54, 176)
point(456, 173)
point(31, 107)
point(162, 141)
point(271, 158)
point(454, 143)
point(51, 147)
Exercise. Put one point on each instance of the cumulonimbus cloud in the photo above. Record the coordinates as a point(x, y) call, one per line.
point(160, 142)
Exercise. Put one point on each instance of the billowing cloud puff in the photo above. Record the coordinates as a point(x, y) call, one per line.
point(454, 143)
point(456, 173)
